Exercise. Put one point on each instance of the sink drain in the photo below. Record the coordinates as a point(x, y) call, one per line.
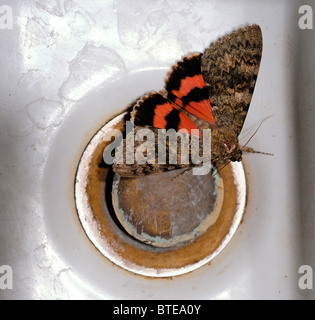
point(160, 225)
point(167, 210)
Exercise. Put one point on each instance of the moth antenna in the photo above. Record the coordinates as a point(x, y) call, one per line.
point(251, 150)
point(255, 132)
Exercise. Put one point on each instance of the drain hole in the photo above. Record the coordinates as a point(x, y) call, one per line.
point(165, 212)
point(179, 230)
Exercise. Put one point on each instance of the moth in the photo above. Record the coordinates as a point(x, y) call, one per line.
point(210, 90)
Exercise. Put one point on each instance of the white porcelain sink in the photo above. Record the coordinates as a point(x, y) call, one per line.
point(68, 66)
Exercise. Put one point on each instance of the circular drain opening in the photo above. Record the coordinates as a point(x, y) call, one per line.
point(167, 210)
point(156, 242)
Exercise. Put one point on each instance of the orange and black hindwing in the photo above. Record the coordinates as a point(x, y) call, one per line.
point(156, 111)
point(186, 89)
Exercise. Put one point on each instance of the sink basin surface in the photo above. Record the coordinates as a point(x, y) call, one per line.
point(69, 66)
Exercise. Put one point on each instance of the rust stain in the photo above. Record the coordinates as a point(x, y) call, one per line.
point(146, 256)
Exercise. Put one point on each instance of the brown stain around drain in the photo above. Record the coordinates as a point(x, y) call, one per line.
point(146, 256)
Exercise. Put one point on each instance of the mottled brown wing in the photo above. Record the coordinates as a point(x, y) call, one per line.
point(230, 67)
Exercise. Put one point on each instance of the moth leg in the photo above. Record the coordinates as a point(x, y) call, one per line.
point(180, 173)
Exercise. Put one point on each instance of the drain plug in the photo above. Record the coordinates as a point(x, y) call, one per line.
point(167, 210)
point(158, 225)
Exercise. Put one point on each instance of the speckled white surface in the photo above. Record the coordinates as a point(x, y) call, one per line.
point(67, 67)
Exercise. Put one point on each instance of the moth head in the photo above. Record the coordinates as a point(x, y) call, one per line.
point(224, 145)
point(236, 155)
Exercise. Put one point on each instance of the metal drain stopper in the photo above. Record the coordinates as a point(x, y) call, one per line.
point(168, 209)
